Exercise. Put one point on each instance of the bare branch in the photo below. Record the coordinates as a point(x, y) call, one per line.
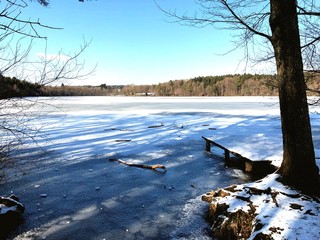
point(17, 35)
point(303, 11)
point(221, 14)
point(13, 23)
point(241, 21)
point(61, 66)
point(311, 43)
point(248, 19)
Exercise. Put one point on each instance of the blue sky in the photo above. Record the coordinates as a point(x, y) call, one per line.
point(133, 42)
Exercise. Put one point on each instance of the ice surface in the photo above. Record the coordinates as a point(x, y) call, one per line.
point(134, 203)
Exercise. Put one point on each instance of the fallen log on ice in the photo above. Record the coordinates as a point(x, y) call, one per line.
point(157, 126)
point(156, 167)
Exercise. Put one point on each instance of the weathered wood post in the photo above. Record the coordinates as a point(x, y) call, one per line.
point(208, 146)
point(226, 155)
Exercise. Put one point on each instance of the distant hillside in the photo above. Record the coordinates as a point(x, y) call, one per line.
point(102, 90)
point(227, 85)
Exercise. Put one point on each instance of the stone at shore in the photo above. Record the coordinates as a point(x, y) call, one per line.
point(262, 210)
point(11, 211)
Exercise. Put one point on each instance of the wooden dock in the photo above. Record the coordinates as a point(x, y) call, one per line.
point(255, 167)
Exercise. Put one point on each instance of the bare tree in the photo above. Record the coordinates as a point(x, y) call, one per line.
point(17, 36)
point(287, 32)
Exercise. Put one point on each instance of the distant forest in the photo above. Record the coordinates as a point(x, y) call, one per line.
point(227, 85)
point(13, 87)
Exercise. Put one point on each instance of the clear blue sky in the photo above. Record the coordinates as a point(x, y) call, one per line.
point(133, 42)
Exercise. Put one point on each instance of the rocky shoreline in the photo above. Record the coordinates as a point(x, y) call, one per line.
point(262, 210)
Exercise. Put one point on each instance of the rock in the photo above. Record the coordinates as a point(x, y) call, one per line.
point(208, 197)
point(216, 209)
point(296, 206)
point(235, 225)
point(232, 188)
point(309, 211)
point(225, 224)
point(11, 211)
point(262, 236)
point(11, 202)
point(222, 193)
point(276, 229)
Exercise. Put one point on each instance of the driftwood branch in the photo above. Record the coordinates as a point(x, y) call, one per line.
point(155, 167)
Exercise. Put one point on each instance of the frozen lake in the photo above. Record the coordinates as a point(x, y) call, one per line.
point(151, 105)
point(89, 197)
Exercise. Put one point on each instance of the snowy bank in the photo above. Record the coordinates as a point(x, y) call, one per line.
point(265, 209)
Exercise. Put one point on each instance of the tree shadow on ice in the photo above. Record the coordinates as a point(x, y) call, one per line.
point(98, 198)
point(75, 192)
point(83, 194)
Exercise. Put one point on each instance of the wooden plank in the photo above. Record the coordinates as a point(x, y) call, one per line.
point(209, 141)
point(214, 143)
point(252, 166)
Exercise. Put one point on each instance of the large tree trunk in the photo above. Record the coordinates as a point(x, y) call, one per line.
point(298, 167)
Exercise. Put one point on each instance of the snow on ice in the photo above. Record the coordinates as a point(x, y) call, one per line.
point(90, 126)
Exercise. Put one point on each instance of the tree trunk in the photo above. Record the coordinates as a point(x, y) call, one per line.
point(298, 167)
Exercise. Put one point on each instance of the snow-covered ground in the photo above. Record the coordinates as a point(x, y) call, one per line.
point(73, 190)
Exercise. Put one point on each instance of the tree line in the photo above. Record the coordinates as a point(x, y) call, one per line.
point(226, 85)
point(13, 87)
